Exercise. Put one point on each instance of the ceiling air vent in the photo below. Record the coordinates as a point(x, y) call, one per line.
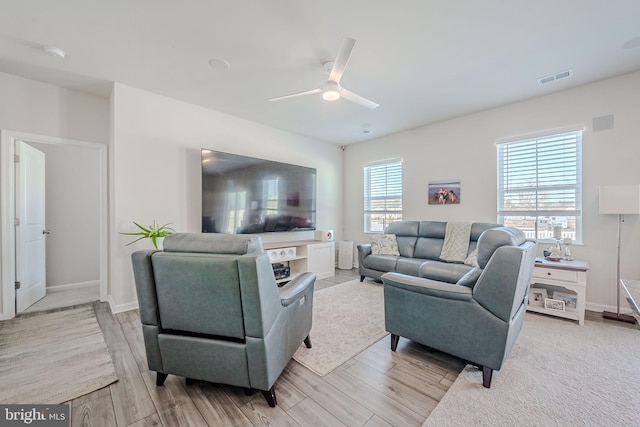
point(555, 77)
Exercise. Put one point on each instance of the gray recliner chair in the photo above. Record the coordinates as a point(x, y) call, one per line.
point(477, 319)
point(211, 310)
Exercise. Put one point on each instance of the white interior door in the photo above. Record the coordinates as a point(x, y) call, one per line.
point(30, 228)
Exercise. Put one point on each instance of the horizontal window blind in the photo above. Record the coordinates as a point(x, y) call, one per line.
point(382, 195)
point(541, 178)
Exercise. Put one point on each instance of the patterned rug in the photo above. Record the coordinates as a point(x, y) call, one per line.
point(347, 318)
point(53, 358)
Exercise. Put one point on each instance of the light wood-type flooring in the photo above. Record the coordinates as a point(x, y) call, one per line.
point(376, 388)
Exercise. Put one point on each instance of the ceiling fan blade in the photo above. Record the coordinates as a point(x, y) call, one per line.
point(341, 59)
point(347, 94)
point(293, 95)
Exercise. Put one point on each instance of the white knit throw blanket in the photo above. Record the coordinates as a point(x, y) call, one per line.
point(456, 241)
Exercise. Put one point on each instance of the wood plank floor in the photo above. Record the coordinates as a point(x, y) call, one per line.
point(376, 388)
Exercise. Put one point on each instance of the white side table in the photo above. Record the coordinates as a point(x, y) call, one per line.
point(568, 277)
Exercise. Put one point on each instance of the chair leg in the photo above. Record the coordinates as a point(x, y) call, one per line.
point(394, 341)
point(362, 278)
point(307, 341)
point(487, 373)
point(270, 396)
point(160, 378)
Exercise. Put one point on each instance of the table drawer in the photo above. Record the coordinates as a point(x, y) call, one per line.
point(555, 274)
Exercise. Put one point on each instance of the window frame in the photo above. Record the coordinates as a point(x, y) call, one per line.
point(547, 179)
point(390, 214)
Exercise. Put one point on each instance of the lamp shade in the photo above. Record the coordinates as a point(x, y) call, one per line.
point(620, 199)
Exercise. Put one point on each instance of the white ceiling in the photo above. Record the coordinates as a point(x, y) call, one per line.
point(422, 60)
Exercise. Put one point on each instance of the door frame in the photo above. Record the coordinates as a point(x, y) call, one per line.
point(7, 212)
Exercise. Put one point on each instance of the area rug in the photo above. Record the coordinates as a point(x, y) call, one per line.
point(347, 318)
point(558, 374)
point(53, 358)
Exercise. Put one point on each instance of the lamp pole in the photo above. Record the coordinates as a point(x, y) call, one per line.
point(617, 316)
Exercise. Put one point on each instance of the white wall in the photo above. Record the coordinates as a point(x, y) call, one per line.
point(155, 170)
point(73, 213)
point(464, 148)
point(42, 109)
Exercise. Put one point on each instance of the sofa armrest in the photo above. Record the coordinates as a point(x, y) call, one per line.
point(145, 286)
point(364, 250)
point(296, 288)
point(427, 286)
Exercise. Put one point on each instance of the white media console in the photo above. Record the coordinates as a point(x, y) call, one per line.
point(304, 255)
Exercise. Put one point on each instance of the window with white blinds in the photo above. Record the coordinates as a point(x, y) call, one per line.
point(540, 185)
point(382, 195)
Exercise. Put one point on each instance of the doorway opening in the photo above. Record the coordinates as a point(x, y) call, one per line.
point(76, 202)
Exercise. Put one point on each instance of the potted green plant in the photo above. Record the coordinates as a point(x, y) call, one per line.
point(152, 232)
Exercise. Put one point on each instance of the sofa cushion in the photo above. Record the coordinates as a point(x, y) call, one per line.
point(381, 262)
point(384, 244)
point(433, 229)
point(443, 271)
point(410, 266)
point(428, 248)
point(406, 234)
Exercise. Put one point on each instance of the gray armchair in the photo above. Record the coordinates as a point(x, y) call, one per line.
point(477, 319)
point(211, 310)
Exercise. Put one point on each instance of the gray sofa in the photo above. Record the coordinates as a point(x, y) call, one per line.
point(420, 244)
point(211, 310)
point(478, 322)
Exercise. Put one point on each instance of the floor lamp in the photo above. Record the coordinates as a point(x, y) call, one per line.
point(619, 200)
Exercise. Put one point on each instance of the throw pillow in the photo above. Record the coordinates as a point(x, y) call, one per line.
point(384, 244)
point(472, 259)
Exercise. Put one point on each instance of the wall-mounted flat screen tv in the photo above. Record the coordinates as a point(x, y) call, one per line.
point(243, 195)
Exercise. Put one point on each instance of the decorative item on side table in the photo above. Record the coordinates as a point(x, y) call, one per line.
point(567, 249)
point(537, 296)
point(153, 232)
point(619, 200)
point(570, 300)
point(554, 304)
point(554, 253)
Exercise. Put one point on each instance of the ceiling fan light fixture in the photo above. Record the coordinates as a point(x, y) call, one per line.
point(55, 52)
point(330, 95)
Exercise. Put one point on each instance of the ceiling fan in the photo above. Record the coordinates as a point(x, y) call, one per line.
point(331, 90)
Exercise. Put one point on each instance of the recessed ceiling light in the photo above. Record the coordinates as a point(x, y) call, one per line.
point(219, 64)
point(56, 52)
point(630, 44)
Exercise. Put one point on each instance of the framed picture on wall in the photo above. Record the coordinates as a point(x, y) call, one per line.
point(444, 192)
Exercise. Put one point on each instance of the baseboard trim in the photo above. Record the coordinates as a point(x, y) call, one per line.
point(121, 308)
point(79, 285)
point(600, 308)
